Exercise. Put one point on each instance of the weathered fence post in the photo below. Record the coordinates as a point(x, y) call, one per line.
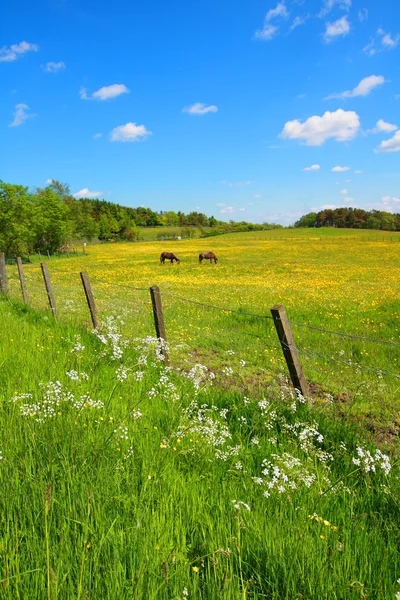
point(49, 289)
point(90, 298)
point(290, 351)
point(158, 317)
point(3, 275)
point(22, 280)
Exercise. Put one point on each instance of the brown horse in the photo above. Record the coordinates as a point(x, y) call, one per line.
point(208, 256)
point(168, 256)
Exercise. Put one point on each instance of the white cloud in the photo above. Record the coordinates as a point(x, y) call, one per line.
point(228, 210)
point(129, 133)
point(242, 209)
point(21, 115)
point(341, 27)
point(363, 14)
point(383, 127)
point(387, 40)
point(85, 193)
point(312, 168)
point(392, 145)
point(9, 54)
point(200, 109)
point(330, 4)
point(269, 31)
point(344, 192)
point(364, 88)
point(49, 181)
point(358, 172)
point(328, 207)
point(53, 67)
point(266, 33)
point(339, 169)
point(348, 200)
point(110, 91)
point(299, 21)
point(97, 136)
point(341, 125)
point(221, 204)
point(279, 11)
point(83, 94)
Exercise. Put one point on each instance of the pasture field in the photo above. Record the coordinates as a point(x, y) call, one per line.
point(125, 480)
point(343, 281)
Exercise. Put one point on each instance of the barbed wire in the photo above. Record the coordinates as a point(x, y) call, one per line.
point(340, 334)
point(348, 363)
point(231, 310)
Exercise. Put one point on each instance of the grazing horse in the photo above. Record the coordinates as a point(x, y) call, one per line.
point(209, 256)
point(168, 256)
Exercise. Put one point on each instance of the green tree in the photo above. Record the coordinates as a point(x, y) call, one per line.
point(53, 223)
point(16, 220)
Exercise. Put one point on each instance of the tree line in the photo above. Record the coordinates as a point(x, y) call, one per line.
point(354, 218)
point(47, 219)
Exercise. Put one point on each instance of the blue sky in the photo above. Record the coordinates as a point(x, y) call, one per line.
point(213, 106)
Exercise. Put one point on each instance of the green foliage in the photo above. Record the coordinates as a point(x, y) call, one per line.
point(354, 218)
point(50, 218)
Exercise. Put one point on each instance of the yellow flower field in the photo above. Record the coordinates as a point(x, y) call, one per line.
point(341, 281)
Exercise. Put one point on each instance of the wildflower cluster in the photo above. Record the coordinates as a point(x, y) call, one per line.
point(284, 473)
point(369, 463)
point(151, 350)
point(111, 337)
point(53, 399)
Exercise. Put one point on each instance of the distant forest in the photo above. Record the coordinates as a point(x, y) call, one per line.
point(50, 218)
point(354, 218)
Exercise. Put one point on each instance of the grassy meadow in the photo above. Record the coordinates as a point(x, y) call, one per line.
point(345, 281)
point(124, 479)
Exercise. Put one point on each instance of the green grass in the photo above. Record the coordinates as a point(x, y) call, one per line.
point(101, 502)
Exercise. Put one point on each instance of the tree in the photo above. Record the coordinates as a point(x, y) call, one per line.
point(17, 233)
point(52, 219)
point(308, 220)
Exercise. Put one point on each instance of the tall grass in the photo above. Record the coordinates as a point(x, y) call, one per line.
point(123, 479)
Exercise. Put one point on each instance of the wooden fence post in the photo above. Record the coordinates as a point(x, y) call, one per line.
point(290, 351)
point(90, 298)
point(49, 289)
point(22, 280)
point(158, 317)
point(3, 275)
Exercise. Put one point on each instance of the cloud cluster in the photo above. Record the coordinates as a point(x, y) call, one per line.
point(15, 51)
point(129, 133)
point(340, 125)
point(385, 41)
point(328, 5)
point(200, 109)
point(269, 30)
